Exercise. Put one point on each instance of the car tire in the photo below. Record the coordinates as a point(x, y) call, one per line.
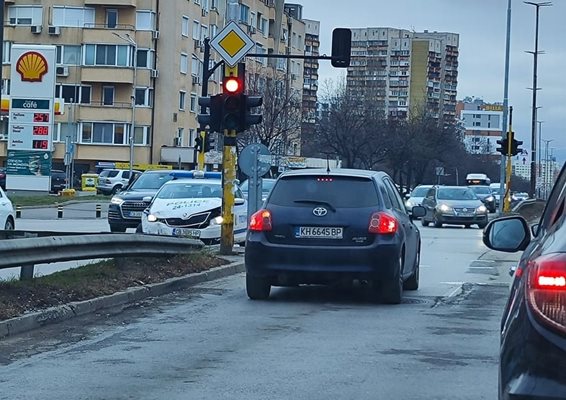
point(413, 282)
point(9, 225)
point(424, 222)
point(139, 229)
point(115, 189)
point(392, 289)
point(257, 288)
point(482, 225)
point(437, 223)
point(467, 226)
point(117, 228)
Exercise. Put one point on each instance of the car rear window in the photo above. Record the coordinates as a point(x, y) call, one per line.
point(109, 173)
point(339, 191)
point(151, 181)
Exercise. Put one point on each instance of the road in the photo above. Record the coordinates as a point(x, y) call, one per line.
point(211, 342)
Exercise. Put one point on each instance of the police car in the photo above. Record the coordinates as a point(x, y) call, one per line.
point(189, 205)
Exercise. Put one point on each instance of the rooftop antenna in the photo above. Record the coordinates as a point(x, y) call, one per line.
point(327, 163)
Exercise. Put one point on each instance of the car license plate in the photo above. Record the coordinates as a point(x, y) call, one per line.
point(135, 214)
point(185, 232)
point(314, 232)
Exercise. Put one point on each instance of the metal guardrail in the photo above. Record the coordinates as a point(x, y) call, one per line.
point(65, 246)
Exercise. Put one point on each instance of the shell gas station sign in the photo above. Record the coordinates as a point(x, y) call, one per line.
point(31, 115)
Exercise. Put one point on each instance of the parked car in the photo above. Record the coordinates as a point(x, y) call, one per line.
point(320, 227)
point(7, 217)
point(415, 198)
point(111, 181)
point(3, 178)
point(126, 207)
point(486, 196)
point(190, 205)
point(58, 180)
point(532, 353)
point(266, 186)
point(455, 205)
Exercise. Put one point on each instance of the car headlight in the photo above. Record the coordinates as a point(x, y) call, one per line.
point(444, 208)
point(216, 221)
point(117, 200)
point(151, 218)
point(481, 209)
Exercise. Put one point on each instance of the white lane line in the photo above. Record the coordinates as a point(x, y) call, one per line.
point(453, 292)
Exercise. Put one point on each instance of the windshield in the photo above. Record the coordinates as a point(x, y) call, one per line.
point(190, 191)
point(419, 191)
point(456, 194)
point(266, 185)
point(151, 181)
point(481, 189)
point(109, 173)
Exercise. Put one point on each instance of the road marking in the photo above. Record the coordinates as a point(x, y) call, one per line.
point(453, 292)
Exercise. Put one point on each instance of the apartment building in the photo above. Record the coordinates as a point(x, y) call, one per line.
point(114, 54)
point(482, 123)
point(402, 71)
point(310, 83)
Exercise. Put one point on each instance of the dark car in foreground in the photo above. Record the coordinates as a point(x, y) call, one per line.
point(58, 180)
point(533, 328)
point(486, 196)
point(454, 205)
point(126, 207)
point(320, 227)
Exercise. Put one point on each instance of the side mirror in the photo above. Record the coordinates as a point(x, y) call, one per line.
point(508, 234)
point(239, 201)
point(418, 211)
point(147, 199)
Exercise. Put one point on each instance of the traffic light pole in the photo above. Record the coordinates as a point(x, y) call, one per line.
point(510, 137)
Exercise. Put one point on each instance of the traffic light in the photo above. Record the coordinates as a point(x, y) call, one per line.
point(198, 143)
point(504, 146)
point(251, 102)
point(212, 118)
point(515, 145)
point(209, 143)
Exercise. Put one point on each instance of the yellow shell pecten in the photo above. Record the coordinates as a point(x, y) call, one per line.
point(32, 66)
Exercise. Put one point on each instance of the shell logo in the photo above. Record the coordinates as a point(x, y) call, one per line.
point(32, 66)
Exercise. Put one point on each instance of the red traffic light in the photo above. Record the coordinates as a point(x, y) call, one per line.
point(231, 85)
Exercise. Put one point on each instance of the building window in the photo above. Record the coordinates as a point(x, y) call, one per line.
point(25, 15)
point(477, 123)
point(192, 136)
point(141, 135)
point(196, 30)
point(145, 58)
point(182, 97)
point(185, 23)
point(196, 66)
point(109, 55)
point(213, 30)
point(244, 14)
point(74, 17)
point(253, 19)
point(203, 32)
point(193, 102)
point(108, 95)
point(180, 134)
point(144, 97)
point(111, 18)
point(103, 133)
point(68, 55)
point(184, 64)
point(264, 27)
point(6, 52)
point(145, 20)
point(74, 93)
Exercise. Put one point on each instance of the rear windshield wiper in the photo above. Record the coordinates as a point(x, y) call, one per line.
point(327, 204)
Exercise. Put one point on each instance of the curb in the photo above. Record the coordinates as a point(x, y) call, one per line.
point(65, 312)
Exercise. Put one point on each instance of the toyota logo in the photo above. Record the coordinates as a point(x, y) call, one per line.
point(320, 211)
point(465, 210)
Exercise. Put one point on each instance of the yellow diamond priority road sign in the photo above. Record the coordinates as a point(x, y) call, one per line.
point(232, 43)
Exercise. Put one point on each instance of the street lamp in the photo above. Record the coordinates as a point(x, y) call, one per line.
point(131, 41)
point(546, 165)
point(535, 53)
point(539, 132)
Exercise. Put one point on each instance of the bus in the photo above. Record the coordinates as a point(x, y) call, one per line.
point(477, 179)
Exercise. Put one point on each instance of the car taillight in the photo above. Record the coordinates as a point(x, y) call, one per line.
point(546, 290)
point(383, 223)
point(261, 221)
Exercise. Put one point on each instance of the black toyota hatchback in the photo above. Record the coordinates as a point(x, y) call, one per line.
point(320, 227)
point(533, 328)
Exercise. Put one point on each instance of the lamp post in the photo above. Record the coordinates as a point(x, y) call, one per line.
point(539, 144)
point(131, 135)
point(546, 166)
point(535, 54)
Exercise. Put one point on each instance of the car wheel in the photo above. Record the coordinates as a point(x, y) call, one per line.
point(139, 229)
point(467, 226)
point(482, 225)
point(115, 189)
point(413, 282)
point(9, 225)
point(392, 289)
point(117, 228)
point(424, 222)
point(257, 288)
point(437, 223)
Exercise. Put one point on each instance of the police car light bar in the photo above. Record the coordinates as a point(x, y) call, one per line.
point(196, 175)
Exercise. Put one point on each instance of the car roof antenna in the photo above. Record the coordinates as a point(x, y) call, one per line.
point(327, 164)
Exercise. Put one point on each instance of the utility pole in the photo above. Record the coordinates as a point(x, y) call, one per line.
point(505, 102)
point(539, 145)
point(535, 54)
point(546, 168)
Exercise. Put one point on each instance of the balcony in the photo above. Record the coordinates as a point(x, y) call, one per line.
point(174, 154)
point(111, 3)
point(101, 33)
point(107, 74)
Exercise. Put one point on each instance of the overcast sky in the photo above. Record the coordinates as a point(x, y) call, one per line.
point(482, 27)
